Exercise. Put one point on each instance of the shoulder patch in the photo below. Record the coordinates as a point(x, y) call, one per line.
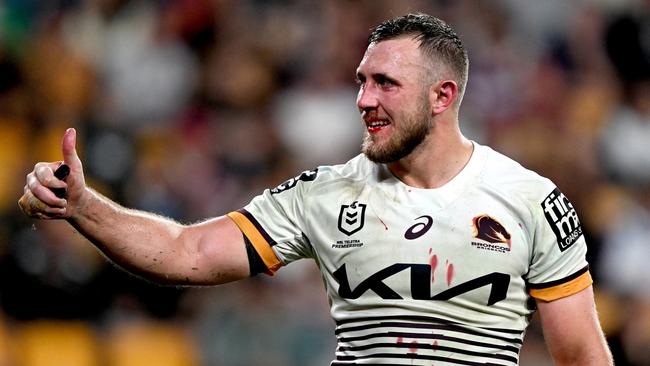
point(562, 218)
point(306, 176)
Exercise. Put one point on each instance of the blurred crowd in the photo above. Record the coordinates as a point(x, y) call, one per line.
point(189, 108)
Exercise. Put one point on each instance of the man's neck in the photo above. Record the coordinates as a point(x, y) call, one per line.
point(435, 162)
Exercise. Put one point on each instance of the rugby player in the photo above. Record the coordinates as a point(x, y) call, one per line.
point(432, 247)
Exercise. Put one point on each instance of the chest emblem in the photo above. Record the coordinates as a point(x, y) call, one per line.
point(352, 218)
point(491, 231)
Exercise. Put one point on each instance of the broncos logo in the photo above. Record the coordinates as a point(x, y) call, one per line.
point(490, 230)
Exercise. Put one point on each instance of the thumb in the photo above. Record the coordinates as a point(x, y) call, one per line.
point(69, 149)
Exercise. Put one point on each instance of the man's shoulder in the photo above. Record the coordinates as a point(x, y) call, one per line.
point(357, 171)
point(359, 168)
point(508, 175)
point(325, 178)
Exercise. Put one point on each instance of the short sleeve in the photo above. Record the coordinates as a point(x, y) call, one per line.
point(558, 266)
point(274, 222)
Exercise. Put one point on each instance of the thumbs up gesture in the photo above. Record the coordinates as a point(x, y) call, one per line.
point(47, 196)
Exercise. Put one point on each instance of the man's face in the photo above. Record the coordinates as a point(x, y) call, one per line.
point(393, 99)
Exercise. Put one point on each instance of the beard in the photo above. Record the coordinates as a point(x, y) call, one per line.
point(408, 135)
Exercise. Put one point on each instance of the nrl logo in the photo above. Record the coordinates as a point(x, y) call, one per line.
point(351, 218)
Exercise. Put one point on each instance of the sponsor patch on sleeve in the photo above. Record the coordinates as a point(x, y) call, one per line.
point(562, 218)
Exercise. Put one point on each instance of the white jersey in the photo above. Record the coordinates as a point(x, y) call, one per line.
point(416, 276)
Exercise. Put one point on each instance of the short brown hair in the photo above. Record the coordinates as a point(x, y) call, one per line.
point(437, 40)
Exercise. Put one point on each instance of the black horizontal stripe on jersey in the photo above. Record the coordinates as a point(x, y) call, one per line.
point(257, 225)
point(411, 356)
point(434, 336)
point(420, 318)
point(426, 346)
point(539, 286)
point(450, 327)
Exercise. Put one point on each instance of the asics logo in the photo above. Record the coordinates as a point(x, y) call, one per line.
point(420, 228)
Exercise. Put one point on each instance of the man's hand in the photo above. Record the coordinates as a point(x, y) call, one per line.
point(39, 200)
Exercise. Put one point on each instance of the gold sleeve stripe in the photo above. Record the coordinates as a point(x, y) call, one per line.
point(563, 290)
point(262, 247)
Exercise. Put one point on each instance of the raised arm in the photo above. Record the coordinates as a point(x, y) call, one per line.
point(572, 331)
point(151, 246)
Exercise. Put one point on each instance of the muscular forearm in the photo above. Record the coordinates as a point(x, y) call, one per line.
point(145, 244)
